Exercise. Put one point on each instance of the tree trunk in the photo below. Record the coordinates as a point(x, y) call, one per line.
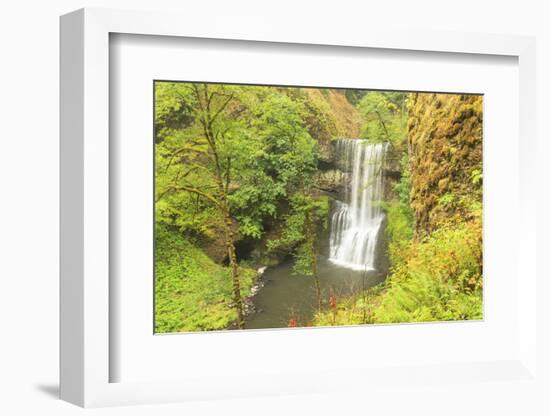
point(313, 254)
point(234, 270)
point(204, 100)
point(317, 285)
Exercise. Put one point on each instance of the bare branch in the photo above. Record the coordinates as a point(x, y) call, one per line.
point(201, 193)
point(222, 107)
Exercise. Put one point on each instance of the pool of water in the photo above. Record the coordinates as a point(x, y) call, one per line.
point(286, 295)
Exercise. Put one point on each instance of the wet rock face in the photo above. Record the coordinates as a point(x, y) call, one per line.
point(445, 153)
point(215, 246)
point(382, 264)
point(332, 181)
point(326, 154)
point(392, 173)
point(392, 164)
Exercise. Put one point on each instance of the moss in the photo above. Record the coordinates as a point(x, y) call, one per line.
point(329, 115)
point(445, 150)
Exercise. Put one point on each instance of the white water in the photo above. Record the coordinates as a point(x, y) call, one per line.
point(356, 221)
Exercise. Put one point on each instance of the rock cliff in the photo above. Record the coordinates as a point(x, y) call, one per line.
point(445, 156)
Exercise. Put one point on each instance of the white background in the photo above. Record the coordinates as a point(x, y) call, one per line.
point(29, 208)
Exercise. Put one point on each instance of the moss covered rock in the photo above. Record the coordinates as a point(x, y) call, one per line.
point(445, 155)
point(330, 115)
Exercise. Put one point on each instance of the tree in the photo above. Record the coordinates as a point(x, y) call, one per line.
point(285, 156)
point(232, 159)
point(201, 163)
point(300, 235)
point(385, 116)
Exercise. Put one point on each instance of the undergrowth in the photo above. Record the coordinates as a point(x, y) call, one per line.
point(192, 292)
point(436, 279)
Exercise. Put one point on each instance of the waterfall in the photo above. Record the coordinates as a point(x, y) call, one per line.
point(357, 219)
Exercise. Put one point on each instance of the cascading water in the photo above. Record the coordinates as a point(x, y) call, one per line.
point(356, 221)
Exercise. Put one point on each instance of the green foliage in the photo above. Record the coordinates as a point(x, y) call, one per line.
point(351, 310)
point(192, 293)
point(434, 224)
point(399, 230)
point(476, 176)
point(285, 157)
point(403, 187)
point(385, 117)
point(173, 108)
point(327, 114)
point(231, 157)
point(300, 227)
point(354, 96)
point(228, 157)
point(263, 149)
point(439, 279)
point(400, 225)
point(446, 199)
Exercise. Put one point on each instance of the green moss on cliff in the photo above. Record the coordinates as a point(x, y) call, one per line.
point(329, 115)
point(445, 153)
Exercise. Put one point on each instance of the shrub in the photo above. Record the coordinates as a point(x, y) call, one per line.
point(192, 292)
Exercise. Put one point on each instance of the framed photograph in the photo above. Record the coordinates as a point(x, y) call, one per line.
point(281, 213)
point(281, 206)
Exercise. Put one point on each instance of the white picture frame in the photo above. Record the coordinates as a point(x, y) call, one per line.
point(85, 220)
